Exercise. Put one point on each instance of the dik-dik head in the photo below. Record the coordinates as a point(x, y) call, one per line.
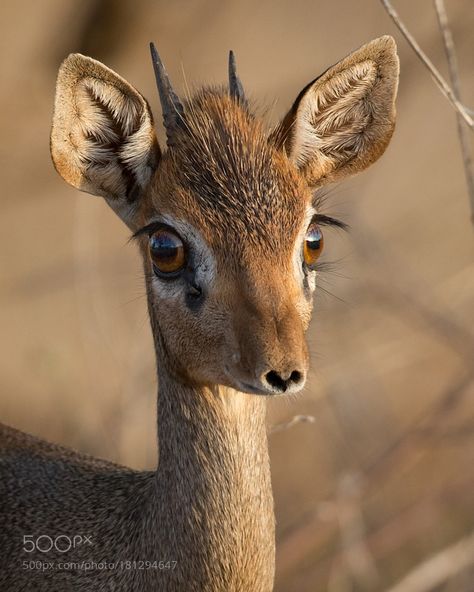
point(227, 216)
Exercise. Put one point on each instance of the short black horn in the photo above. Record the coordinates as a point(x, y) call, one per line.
point(171, 106)
point(235, 86)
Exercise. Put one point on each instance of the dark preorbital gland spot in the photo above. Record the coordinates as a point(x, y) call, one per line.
point(194, 297)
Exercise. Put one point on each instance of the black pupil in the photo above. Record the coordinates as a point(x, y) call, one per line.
point(164, 246)
point(313, 239)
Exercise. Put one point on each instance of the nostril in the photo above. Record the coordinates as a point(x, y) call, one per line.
point(295, 377)
point(276, 381)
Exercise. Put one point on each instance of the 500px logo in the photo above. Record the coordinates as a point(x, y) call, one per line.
point(61, 543)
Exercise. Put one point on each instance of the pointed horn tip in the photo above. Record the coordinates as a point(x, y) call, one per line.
point(171, 106)
point(232, 64)
point(235, 86)
point(155, 56)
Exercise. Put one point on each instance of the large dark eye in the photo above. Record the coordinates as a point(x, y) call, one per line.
point(167, 251)
point(313, 245)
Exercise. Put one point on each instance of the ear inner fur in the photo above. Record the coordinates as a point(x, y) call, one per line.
point(102, 140)
point(343, 120)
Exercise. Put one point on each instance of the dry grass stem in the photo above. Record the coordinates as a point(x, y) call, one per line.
point(440, 81)
point(279, 427)
point(439, 568)
point(455, 82)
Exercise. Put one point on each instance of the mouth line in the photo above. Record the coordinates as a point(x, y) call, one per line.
point(243, 386)
point(255, 390)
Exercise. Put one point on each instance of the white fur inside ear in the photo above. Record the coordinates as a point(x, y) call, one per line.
point(111, 131)
point(102, 138)
point(103, 112)
point(333, 116)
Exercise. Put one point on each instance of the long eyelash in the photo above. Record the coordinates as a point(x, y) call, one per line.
point(148, 229)
point(321, 196)
point(320, 200)
point(325, 220)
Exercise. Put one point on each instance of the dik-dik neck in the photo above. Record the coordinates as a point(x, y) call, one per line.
point(215, 514)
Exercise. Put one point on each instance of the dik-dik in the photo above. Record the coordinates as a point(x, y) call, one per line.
point(227, 222)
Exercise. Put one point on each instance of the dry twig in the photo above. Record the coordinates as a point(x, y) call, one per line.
point(358, 559)
point(279, 427)
point(440, 81)
point(454, 76)
point(439, 568)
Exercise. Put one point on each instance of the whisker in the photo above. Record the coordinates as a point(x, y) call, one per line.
point(329, 293)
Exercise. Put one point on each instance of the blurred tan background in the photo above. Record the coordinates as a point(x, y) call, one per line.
point(384, 476)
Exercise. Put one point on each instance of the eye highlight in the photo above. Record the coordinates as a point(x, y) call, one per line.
point(313, 245)
point(167, 252)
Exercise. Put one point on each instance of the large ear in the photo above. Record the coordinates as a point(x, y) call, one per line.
point(342, 121)
point(102, 139)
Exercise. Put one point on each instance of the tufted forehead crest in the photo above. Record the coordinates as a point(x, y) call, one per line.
point(231, 177)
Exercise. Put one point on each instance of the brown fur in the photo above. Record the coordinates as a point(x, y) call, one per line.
point(242, 200)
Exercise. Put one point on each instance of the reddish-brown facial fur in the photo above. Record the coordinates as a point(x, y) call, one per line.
point(228, 319)
point(243, 196)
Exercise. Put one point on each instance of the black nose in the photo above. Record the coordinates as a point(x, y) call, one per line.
point(283, 383)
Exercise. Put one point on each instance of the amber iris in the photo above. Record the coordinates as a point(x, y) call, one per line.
point(313, 245)
point(167, 251)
